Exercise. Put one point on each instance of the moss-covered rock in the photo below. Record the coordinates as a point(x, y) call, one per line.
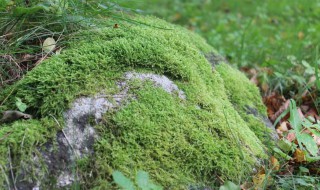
point(189, 135)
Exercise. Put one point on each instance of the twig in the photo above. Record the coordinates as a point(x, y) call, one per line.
point(68, 141)
point(6, 177)
point(7, 96)
point(11, 170)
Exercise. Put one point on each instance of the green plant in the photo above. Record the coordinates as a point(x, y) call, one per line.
point(298, 145)
point(142, 181)
point(298, 182)
point(300, 128)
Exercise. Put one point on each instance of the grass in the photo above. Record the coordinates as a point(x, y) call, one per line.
point(24, 26)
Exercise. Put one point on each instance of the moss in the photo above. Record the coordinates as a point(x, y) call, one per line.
point(19, 142)
point(245, 97)
point(179, 142)
point(187, 143)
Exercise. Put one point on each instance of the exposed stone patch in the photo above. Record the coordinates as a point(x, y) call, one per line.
point(78, 132)
point(265, 120)
point(215, 59)
point(159, 80)
point(65, 179)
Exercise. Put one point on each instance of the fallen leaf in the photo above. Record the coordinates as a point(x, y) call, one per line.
point(313, 112)
point(115, 26)
point(265, 87)
point(304, 108)
point(274, 102)
point(283, 127)
point(259, 181)
point(48, 45)
point(300, 114)
point(291, 137)
point(317, 139)
point(246, 185)
point(299, 155)
point(275, 163)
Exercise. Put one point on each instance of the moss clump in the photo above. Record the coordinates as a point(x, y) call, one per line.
point(18, 146)
point(245, 97)
point(179, 142)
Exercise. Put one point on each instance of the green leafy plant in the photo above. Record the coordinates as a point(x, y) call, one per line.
point(299, 128)
point(142, 180)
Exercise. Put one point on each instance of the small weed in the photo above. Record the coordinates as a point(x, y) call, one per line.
point(142, 181)
point(302, 131)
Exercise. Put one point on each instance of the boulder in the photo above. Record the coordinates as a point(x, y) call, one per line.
point(152, 97)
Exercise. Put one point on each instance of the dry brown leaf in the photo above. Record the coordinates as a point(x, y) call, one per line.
point(280, 110)
point(316, 139)
point(259, 181)
point(116, 25)
point(246, 185)
point(283, 127)
point(254, 80)
point(305, 108)
point(313, 112)
point(291, 137)
point(264, 87)
point(299, 155)
point(275, 163)
point(274, 102)
point(300, 114)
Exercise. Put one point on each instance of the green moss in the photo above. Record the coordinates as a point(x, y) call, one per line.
point(245, 97)
point(187, 143)
point(19, 142)
point(179, 142)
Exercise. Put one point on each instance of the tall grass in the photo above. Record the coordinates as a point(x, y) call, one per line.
point(24, 25)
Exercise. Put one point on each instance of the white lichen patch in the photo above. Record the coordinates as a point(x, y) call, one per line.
point(65, 179)
point(78, 132)
point(159, 80)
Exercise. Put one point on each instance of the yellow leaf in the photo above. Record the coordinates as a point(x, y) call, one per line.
point(259, 181)
point(299, 155)
point(275, 163)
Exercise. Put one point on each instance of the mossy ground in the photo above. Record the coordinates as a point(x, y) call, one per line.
point(179, 142)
